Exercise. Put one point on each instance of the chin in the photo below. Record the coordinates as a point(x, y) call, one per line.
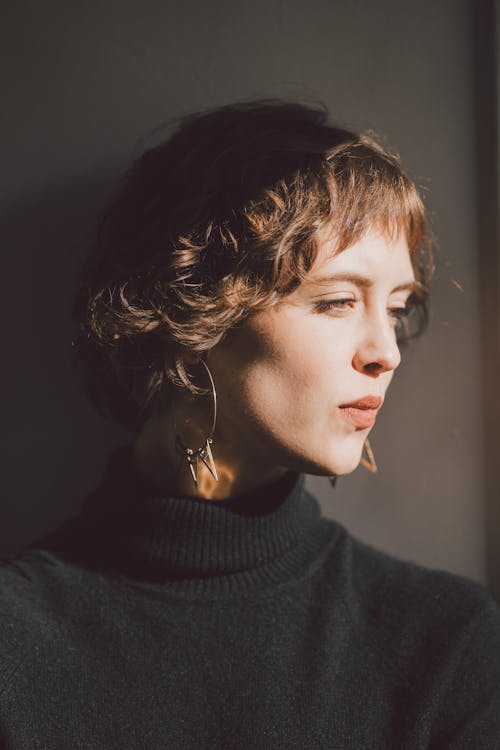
point(342, 457)
point(345, 463)
point(346, 467)
point(333, 465)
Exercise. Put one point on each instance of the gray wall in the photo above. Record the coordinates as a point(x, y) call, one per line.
point(85, 82)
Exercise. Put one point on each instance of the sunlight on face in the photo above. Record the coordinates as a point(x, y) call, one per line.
point(283, 376)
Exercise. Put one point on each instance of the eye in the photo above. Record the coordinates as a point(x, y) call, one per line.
point(400, 322)
point(335, 304)
point(398, 313)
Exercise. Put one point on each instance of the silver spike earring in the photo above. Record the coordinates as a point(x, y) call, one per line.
point(204, 453)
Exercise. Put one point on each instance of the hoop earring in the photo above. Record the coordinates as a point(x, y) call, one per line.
point(193, 456)
point(368, 462)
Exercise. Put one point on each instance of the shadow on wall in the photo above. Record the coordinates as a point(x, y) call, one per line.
point(52, 441)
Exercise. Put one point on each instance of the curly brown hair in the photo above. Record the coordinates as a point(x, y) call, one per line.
point(220, 221)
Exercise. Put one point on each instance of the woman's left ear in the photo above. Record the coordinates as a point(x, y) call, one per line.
point(190, 358)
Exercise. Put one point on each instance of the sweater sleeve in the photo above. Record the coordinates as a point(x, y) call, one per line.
point(470, 714)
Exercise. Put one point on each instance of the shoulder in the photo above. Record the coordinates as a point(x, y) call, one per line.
point(398, 595)
point(37, 585)
point(437, 632)
point(39, 595)
point(24, 613)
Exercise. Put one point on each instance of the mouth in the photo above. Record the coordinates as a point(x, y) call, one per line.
point(363, 412)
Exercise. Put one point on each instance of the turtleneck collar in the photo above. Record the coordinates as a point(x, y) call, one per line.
point(138, 531)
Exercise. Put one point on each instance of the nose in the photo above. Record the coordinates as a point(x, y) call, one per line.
point(377, 351)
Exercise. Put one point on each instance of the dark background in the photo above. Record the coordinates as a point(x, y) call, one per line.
point(84, 84)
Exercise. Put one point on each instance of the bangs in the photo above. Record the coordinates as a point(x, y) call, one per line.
point(358, 187)
point(369, 190)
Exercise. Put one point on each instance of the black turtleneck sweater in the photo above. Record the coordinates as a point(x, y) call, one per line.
point(151, 621)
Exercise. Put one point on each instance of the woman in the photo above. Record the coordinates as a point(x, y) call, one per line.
point(241, 316)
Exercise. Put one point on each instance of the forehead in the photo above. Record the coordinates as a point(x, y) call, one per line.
point(374, 255)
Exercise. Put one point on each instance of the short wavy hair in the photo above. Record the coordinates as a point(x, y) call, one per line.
point(222, 220)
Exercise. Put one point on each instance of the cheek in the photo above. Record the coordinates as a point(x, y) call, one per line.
point(287, 374)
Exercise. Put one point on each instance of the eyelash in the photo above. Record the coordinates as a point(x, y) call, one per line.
point(397, 313)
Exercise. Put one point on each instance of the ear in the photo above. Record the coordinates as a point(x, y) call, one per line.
point(190, 358)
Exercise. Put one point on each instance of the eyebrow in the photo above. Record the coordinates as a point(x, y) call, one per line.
point(364, 282)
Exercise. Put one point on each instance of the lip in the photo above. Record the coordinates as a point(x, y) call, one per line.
point(363, 412)
point(367, 402)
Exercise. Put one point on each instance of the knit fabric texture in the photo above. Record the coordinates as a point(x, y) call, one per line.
point(150, 620)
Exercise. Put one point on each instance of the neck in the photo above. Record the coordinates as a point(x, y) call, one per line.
point(156, 458)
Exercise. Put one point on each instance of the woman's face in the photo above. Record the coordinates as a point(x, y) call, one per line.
point(284, 374)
